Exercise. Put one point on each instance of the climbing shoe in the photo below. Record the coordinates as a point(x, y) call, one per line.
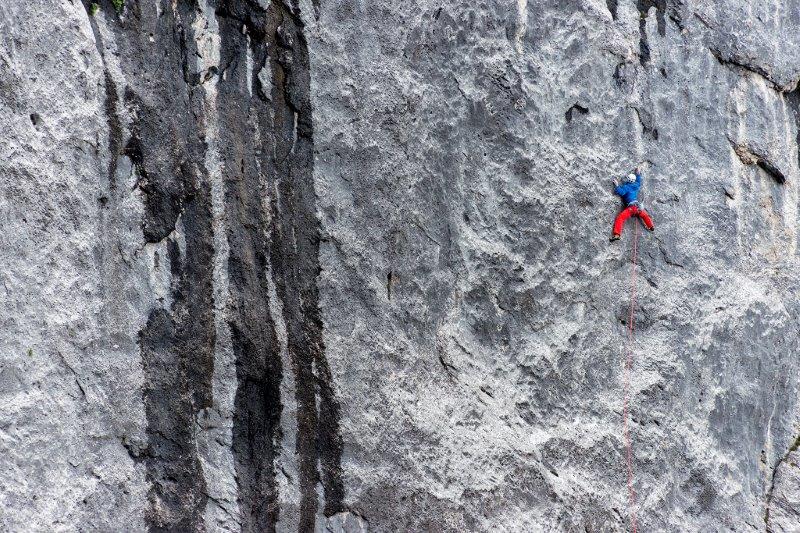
point(651, 229)
point(614, 237)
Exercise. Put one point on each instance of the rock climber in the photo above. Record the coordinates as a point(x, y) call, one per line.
point(629, 192)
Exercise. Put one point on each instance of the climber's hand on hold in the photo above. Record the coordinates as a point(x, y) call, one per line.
point(615, 181)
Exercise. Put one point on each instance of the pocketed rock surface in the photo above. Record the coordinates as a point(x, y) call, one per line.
point(344, 266)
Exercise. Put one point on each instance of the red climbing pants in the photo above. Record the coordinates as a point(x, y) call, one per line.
point(625, 214)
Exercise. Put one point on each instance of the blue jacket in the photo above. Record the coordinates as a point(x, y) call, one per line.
point(630, 191)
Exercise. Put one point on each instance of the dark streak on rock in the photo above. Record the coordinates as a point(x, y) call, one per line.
point(266, 146)
point(449, 369)
point(647, 122)
point(295, 257)
point(245, 164)
point(177, 485)
point(729, 194)
point(748, 157)
point(177, 344)
point(703, 21)
point(575, 108)
point(736, 62)
point(677, 11)
point(73, 372)
point(772, 170)
point(279, 166)
point(644, 7)
point(771, 490)
point(109, 104)
point(612, 8)
point(164, 176)
point(114, 128)
point(793, 99)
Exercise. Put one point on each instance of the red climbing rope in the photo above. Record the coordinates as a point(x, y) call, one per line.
point(627, 384)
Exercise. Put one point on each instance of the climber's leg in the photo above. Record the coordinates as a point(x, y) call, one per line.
point(648, 222)
point(621, 218)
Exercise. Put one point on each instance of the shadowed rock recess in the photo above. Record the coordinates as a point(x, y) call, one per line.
point(302, 265)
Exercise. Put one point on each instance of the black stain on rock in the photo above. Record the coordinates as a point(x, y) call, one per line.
point(160, 155)
point(737, 63)
point(793, 98)
point(677, 10)
point(177, 492)
point(750, 157)
point(648, 123)
point(164, 144)
point(266, 147)
point(267, 150)
point(772, 170)
point(296, 258)
point(644, 7)
point(625, 75)
point(114, 129)
point(612, 8)
point(245, 148)
point(575, 110)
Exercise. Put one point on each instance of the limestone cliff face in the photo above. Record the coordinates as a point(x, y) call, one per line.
point(344, 266)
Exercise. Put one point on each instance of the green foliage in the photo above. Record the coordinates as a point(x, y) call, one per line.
point(30, 352)
point(94, 8)
point(118, 5)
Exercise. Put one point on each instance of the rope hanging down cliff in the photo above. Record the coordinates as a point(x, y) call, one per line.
point(627, 384)
point(628, 190)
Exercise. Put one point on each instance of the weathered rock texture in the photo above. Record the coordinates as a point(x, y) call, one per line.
point(297, 265)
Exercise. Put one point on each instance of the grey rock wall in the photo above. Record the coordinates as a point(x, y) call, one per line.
point(344, 266)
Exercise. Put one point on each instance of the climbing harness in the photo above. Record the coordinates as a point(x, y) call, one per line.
point(627, 384)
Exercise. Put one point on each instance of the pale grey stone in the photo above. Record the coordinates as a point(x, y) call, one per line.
point(344, 266)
